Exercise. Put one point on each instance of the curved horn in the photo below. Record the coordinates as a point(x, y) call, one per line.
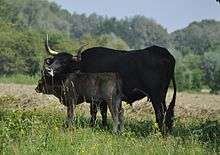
point(48, 49)
point(80, 50)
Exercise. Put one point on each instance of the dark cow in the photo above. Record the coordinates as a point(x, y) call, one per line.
point(58, 78)
point(76, 88)
point(144, 72)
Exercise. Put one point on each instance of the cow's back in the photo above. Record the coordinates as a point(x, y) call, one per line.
point(138, 68)
point(99, 59)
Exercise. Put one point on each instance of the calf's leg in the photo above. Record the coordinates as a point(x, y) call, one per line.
point(70, 115)
point(114, 112)
point(121, 117)
point(119, 112)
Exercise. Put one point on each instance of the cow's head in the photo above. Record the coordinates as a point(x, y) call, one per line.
point(60, 63)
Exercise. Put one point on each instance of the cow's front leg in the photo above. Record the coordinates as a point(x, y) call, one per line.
point(103, 109)
point(93, 112)
point(70, 115)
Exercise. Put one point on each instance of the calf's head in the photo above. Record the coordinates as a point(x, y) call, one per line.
point(47, 85)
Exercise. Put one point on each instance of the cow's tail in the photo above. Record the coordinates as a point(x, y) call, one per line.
point(170, 111)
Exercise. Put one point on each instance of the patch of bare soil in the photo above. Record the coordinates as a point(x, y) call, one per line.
point(25, 96)
point(196, 104)
point(187, 104)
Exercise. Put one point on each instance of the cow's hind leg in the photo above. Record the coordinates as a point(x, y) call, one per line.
point(103, 109)
point(159, 111)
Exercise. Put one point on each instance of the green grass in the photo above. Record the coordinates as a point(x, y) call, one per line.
point(20, 79)
point(41, 132)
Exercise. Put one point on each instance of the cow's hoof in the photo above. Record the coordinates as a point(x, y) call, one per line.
point(68, 124)
point(92, 124)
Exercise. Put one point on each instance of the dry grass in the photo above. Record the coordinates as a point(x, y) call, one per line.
point(187, 104)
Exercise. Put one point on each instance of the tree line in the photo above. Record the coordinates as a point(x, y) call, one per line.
point(25, 23)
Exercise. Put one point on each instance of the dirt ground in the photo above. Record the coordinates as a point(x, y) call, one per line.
point(195, 104)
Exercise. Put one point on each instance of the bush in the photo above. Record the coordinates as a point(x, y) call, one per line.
point(189, 73)
point(211, 67)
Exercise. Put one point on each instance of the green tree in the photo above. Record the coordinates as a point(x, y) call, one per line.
point(211, 67)
point(189, 73)
point(110, 41)
point(197, 38)
point(138, 31)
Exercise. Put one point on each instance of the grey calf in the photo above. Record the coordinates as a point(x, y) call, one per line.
point(76, 88)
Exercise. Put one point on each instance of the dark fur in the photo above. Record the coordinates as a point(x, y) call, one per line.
point(149, 70)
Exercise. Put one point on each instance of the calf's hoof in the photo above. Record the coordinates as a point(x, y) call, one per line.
point(68, 124)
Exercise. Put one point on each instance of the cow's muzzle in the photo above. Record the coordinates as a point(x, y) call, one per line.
point(49, 71)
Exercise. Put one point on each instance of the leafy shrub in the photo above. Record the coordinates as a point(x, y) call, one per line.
point(211, 67)
point(189, 73)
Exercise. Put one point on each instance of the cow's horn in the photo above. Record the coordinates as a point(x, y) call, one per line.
point(48, 49)
point(80, 50)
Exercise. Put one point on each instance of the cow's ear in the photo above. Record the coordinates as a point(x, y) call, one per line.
point(48, 61)
point(76, 59)
point(80, 51)
point(77, 71)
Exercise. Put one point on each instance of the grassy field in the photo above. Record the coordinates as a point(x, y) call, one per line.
point(41, 132)
point(20, 79)
point(27, 127)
